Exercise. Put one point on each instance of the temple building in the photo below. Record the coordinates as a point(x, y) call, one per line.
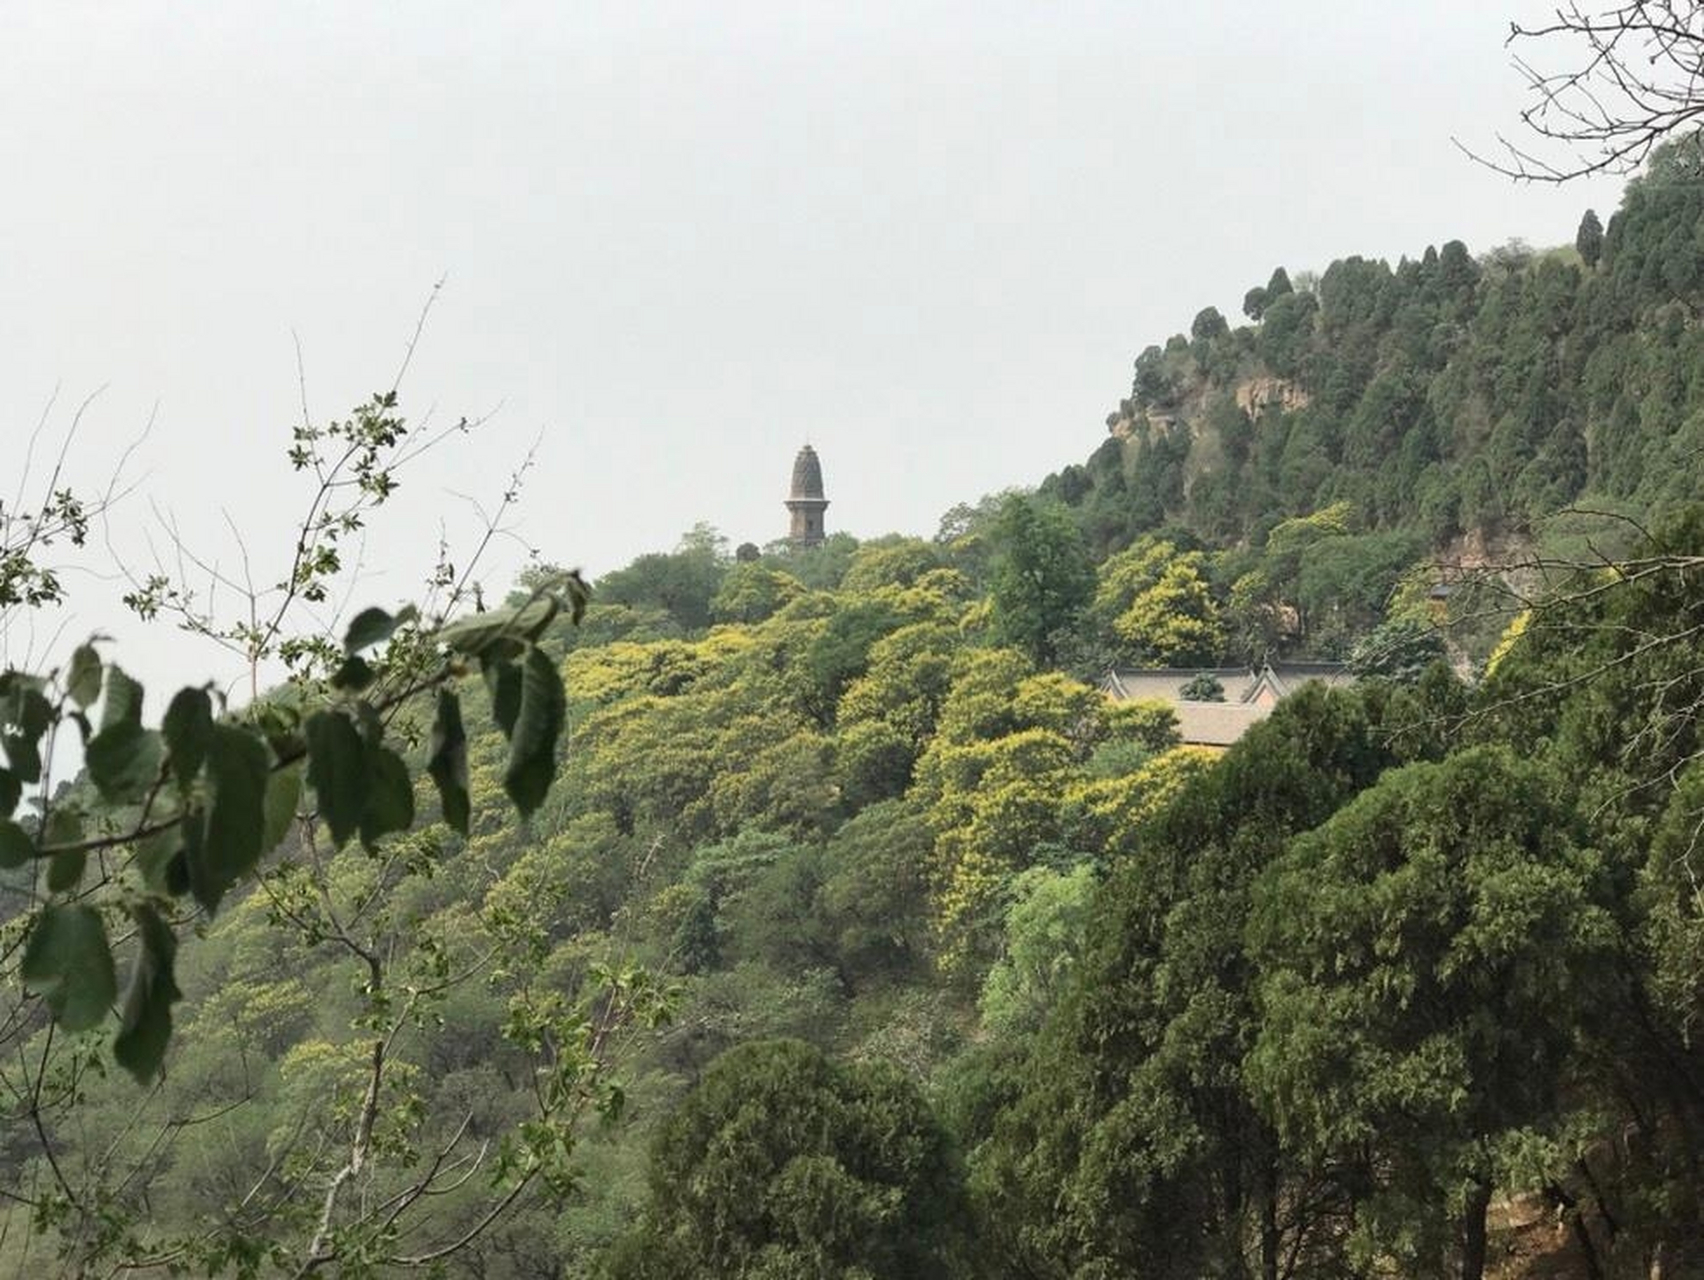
point(1242, 696)
point(805, 500)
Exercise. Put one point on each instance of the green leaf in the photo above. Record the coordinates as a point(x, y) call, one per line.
point(24, 716)
point(472, 636)
point(368, 627)
point(503, 682)
point(337, 771)
point(64, 825)
point(65, 871)
point(236, 816)
point(390, 796)
point(83, 681)
point(374, 626)
point(11, 791)
point(532, 745)
point(154, 856)
point(355, 674)
point(177, 870)
point(123, 759)
point(578, 593)
point(145, 1026)
point(67, 962)
point(123, 700)
point(283, 794)
point(448, 761)
point(188, 730)
point(16, 847)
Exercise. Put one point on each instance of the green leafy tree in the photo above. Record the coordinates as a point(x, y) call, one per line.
point(1042, 577)
point(1153, 382)
point(681, 583)
point(1174, 622)
point(1045, 928)
point(298, 820)
point(1208, 325)
point(781, 1163)
point(1205, 687)
point(1133, 1146)
point(1428, 958)
point(752, 592)
point(898, 562)
point(1402, 649)
point(1158, 605)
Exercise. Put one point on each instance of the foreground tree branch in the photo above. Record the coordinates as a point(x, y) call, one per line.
point(1606, 85)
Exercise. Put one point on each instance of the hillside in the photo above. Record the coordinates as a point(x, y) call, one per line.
point(859, 935)
point(1445, 396)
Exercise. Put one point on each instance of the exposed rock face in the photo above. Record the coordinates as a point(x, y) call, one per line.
point(1125, 427)
point(1257, 394)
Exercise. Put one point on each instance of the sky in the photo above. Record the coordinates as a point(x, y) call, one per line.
point(676, 242)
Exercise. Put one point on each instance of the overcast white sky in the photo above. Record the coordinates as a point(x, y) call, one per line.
point(680, 240)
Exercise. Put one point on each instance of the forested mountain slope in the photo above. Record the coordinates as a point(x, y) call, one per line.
point(859, 936)
point(1445, 395)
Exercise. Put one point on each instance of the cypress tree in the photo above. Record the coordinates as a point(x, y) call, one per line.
point(1589, 239)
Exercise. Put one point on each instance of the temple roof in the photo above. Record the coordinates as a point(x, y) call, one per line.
point(807, 476)
point(1241, 684)
point(1250, 694)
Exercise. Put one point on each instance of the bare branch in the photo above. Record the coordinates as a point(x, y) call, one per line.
point(1635, 78)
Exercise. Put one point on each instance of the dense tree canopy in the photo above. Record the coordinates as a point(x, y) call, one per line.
point(812, 912)
point(780, 1163)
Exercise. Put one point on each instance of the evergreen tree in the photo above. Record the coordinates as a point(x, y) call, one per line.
point(781, 1163)
point(1133, 1147)
point(1042, 577)
point(1430, 956)
point(1208, 325)
point(1589, 240)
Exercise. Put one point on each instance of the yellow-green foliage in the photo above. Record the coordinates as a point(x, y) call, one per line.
point(664, 667)
point(559, 885)
point(938, 596)
point(753, 592)
point(897, 562)
point(1150, 722)
point(984, 684)
point(909, 675)
point(1511, 637)
point(1157, 601)
point(998, 779)
point(266, 1017)
point(784, 781)
point(1105, 815)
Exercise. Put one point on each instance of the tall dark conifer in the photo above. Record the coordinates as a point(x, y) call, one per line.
point(1589, 239)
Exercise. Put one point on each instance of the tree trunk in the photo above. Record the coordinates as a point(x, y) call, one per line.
point(1270, 1241)
point(1473, 1232)
point(1568, 1207)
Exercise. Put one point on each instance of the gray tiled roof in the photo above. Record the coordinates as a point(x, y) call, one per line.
point(1166, 683)
point(1216, 724)
point(1220, 723)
